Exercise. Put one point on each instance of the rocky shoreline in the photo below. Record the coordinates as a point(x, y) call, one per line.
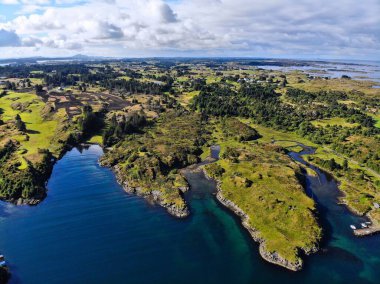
point(374, 228)
point(363, 232)
point(154, 196)
point(25, 201)
point(32, 201)
point(271, 257)
point(370, 230)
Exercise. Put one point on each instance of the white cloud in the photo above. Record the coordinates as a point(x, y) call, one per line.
point(31, 41)
point(26, 2)
point(29, 9)
point(9, 2)
point(228, 27)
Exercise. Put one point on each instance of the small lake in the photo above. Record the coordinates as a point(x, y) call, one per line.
point(88, 230)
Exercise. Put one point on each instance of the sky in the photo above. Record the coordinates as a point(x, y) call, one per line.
point(318, 29)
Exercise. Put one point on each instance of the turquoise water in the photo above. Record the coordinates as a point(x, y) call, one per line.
point(88, 230)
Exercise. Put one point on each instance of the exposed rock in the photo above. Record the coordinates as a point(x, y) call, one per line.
point(155, 196)
point(272, 257)
point(23, 201)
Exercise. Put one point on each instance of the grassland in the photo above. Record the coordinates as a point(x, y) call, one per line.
point(331, 84)
point(284, 139)
point(338, 121)
point(27, 154)
point(186, 97)
point(264, 183)
point(95, 139)
point(41, 129)
point(360, 185)
point(377, 118)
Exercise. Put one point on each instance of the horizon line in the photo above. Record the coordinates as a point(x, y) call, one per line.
point(185, 57)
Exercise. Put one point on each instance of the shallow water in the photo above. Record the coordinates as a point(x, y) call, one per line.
point(88, 230)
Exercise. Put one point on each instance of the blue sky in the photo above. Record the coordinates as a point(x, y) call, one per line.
point(345, 29)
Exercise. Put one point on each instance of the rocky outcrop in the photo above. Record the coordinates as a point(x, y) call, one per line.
point(272, 257)
point(155, 196)
point(23, 201)
point(26, 201)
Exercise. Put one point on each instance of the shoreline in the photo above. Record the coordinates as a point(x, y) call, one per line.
point(364, 232)
point(271, 257)
point(43, 178)
point(372, 229)
point(154, 196)
point(24, 201)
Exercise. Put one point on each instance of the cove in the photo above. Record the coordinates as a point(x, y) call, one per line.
point(88, 230)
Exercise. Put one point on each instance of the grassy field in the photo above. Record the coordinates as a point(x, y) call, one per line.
point(263, 183)
point(96, 139)
point(284, 139)
point(359, 192)
point(36, 81)
point(27, 162)
point(186, 97)
point(332, 84)
point(289, 140)
point(40, 132)
point(125, 78)
point(377, 118)
point(334, 121)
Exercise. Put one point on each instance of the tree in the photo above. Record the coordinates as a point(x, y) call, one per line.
point(333, 165)
point(83, 87)
point(91, 122)
point(38, 88)
point(284, 83)
point(345, 165)
point(20, 124)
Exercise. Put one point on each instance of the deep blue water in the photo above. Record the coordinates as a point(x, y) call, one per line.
point(88, 230)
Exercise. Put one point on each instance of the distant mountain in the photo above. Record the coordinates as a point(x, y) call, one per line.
point(81, 56)
point(37, 59)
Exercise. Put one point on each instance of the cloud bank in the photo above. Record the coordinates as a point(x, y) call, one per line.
point(278, 28)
